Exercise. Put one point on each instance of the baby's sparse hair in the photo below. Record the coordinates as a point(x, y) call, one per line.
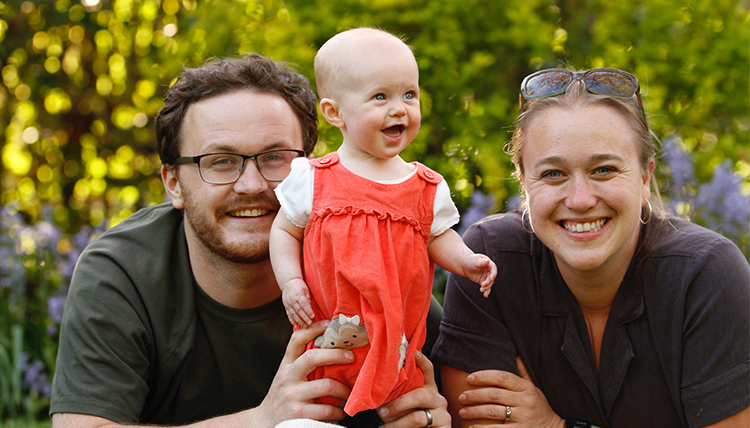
point(330, 61)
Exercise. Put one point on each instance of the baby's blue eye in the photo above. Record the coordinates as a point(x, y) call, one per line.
point(380, 97)
point(409, 96)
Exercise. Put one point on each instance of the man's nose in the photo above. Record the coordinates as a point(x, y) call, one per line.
point(251, 181)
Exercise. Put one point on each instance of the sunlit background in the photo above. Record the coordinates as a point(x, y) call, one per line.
point(83, 80)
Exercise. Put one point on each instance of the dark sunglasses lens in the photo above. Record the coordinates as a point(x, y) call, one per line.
point(546, 84)
point(610, 83)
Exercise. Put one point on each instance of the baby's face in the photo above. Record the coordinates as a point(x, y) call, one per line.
point(378, 98)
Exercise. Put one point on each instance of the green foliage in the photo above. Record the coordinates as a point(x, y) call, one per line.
point(82, 85)
point(26, 424)
point(14, 399)
point(82, 81)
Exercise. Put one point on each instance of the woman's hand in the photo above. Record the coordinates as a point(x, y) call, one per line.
point(485, 396)
point(412, 409)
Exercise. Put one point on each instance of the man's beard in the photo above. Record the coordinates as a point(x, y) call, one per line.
point(253, 251)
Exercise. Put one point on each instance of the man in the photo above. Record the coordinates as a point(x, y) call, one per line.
point(174, 315)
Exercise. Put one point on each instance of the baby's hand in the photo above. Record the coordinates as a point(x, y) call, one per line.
point(480, 269)
point(296, 299)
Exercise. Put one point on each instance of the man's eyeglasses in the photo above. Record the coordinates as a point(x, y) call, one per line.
point(600, 81)
point(226, 168)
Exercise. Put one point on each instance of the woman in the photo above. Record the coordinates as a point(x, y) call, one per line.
point(607, 312)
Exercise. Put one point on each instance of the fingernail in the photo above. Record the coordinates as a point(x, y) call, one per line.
point(418, 354)
point(383, 412)
point(462, 398)
point(462, 412)
point(349, 355)
point(470, 378)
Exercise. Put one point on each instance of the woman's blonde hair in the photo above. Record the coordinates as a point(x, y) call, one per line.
point(576, 97)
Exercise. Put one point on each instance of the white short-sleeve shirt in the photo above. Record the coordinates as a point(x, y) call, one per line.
point(295, 194)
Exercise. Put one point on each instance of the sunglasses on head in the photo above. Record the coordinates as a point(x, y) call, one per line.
point(600, 81)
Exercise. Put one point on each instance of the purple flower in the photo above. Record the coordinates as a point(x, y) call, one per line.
point(678, 164)
point(513, 203)
point(481, 204)
point(55, 307)
point(46, 235)
point(721, 205)
point(34, 377)
point(66, 263)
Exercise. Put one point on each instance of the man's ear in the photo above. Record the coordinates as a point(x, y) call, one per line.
point(172, 185)
point(330, 110)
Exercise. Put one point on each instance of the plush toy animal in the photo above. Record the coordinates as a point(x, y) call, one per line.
point(343, 332)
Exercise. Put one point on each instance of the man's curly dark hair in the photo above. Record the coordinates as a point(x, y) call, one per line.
point(220, 76)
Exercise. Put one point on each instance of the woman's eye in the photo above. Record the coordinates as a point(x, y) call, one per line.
point(552, 174)
point(604, 170)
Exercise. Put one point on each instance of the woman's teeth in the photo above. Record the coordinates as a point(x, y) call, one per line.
point(584, 227)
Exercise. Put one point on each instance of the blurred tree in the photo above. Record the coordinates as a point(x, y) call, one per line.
point(83, 81)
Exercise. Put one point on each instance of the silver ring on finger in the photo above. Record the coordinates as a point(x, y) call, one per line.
point(507, 414)
point(429, 418)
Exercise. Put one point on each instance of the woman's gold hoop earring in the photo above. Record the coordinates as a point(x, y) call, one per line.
point(523, 224)
point(650, 213)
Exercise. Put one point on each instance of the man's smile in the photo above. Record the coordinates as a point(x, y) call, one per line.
point(255, 212)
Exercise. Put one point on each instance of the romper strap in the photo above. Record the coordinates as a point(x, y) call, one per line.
point(326, 161)
point(427, 174)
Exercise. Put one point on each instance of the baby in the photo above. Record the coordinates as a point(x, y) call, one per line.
point(372, 224)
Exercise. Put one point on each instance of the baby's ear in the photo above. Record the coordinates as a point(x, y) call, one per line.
point(330, 110)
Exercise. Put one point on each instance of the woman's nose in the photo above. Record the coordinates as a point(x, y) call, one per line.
point(581, 196)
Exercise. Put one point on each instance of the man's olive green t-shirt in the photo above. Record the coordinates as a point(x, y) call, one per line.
point(140, 342)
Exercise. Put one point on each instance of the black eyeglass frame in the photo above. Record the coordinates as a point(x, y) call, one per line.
point(582, 75)
point(182, 160)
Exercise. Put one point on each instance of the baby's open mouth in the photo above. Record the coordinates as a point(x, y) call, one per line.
point(394, 131)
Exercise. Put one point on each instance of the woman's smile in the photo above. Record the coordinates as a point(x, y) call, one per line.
point(577, 227)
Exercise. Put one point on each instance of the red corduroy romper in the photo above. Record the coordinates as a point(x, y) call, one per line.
point(365, 253)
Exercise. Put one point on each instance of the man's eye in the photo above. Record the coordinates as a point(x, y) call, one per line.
point(271, 160)
point(552, 174)
point(221, 162)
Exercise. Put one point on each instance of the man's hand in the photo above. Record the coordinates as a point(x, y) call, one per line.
point(292, 395)
point(411, 409)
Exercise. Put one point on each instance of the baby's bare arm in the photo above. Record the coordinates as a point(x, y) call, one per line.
point(285, 250)
point(450, 252)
